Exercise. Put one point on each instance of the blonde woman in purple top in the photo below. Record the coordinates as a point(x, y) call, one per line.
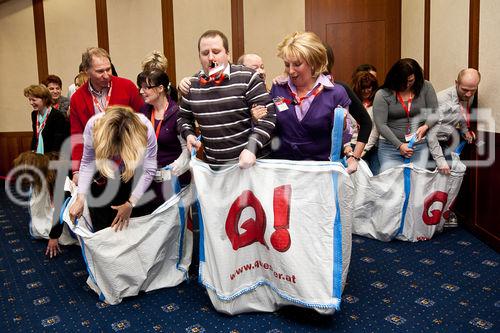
point(118, 139)
point(305, 104)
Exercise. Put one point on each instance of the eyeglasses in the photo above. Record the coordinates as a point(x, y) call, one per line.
point(149, 87)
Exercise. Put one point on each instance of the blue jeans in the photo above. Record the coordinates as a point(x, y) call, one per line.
point(371, 158)
point(389, 156)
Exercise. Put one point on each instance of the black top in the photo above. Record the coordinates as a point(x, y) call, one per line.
point(54, 133)
point(359, 113)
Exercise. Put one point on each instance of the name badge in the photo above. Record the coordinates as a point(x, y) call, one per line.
point(409, 136)
point(162, 175)
point(280, 104)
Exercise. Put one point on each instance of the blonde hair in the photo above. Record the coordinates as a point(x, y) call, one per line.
point(155, 60)
point(81, 78)
point(39, 91)
point(121, 133)
point(304, 45)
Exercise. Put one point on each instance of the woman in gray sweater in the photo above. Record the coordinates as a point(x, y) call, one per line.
point(404, 107)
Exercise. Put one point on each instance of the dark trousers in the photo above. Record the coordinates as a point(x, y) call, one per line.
point(103, 215)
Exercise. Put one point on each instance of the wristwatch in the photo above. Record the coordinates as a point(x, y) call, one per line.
point(351, 154)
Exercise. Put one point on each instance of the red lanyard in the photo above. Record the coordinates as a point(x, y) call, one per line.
point(98, 105)
point(407, 109)
point(466, 113)
point(40, 127)
point(315, 92)
point(157, 132)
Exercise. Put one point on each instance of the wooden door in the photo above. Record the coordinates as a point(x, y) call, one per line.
point(360, 31)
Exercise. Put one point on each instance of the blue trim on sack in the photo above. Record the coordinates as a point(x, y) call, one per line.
point(334, 305)
point(407, 185)
point(61, 217)
point(102, 298)
point(337, 244)
point(460, 147)
point(63, 208)
point(336, 137)
point(193, 150)
point(202, 238)
point(176, 186)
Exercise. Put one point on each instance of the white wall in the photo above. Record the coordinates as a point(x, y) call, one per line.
point(412, 30)
point(17, 64)
point(266, 23)
point(134, 30)
point(70, 27)
point(191, 19)
point(449, 41)
point(489, 60)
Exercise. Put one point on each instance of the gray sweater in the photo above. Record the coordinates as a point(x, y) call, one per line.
point(390, 117)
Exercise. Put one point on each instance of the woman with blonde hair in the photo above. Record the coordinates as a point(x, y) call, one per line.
point(116, 140)
point(155, 61)
point(306, 102)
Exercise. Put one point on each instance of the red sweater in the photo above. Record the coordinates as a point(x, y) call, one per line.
point(123, 92)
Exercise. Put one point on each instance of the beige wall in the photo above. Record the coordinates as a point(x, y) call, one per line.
point(449, 41)
point(17, 64)
point(70, 27)
point(134, 30)
point(266, 23)
point(489, 61)
point(412, 30)
point(191, 19)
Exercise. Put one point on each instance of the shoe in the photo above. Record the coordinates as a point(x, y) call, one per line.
point(452, 221)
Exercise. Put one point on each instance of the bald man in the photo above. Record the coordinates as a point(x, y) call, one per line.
point(253, 61)
point(454, 113)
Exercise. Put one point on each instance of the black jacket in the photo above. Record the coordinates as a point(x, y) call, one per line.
point(54, 133)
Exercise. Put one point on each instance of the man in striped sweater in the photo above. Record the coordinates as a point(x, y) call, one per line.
point(219, 100)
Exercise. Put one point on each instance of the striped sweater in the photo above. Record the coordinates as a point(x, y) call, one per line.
point(223, 115)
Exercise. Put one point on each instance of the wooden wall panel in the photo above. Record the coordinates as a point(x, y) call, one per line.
point(348, 35)
point(476, 205)
point(11, 145)
point(167, 11)
point(334, 20)
point(101, 14)
point(237, 29)
point(41, 43)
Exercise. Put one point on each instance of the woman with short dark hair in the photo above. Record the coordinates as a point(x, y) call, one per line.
point(59, 102)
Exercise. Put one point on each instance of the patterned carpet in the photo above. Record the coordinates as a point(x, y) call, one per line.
point(448, 284)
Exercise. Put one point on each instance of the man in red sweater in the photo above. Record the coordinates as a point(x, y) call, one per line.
point(100, 91)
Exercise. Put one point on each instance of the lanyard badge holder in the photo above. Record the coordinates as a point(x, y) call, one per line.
point(407, 109)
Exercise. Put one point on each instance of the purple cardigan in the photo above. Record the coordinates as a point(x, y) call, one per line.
point(169, 147)
point(309, 139)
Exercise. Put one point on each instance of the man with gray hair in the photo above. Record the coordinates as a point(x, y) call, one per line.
point(101, 90)
point(253, 61)
point(454, 113)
